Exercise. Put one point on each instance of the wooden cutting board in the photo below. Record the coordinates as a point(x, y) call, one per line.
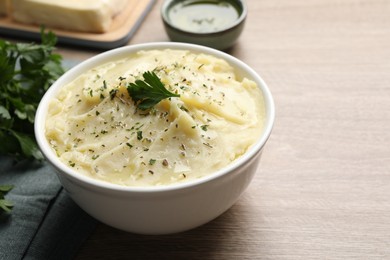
point(122, 29)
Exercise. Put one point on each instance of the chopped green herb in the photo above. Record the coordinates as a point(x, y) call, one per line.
point(139, 127)
point(204, 127)
point(113, 93)
point(152, 161)
point(184, 108)
point(139, 135)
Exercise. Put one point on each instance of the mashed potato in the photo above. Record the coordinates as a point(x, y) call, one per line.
point(94, 126)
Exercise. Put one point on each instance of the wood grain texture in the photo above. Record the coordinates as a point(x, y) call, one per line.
point(323, 187)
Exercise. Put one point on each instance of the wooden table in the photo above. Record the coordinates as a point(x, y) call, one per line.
point(322, 190)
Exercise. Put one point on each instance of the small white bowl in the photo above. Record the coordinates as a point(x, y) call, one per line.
point(162, 209)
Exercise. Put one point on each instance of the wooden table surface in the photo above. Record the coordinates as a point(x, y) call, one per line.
point(322, 190)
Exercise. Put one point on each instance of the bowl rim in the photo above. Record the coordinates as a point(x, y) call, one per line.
point(67, 77)
point(167, 22)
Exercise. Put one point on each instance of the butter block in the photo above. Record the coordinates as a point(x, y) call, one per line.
point(75, 15)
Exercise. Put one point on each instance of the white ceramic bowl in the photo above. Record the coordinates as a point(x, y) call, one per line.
point(162, 209)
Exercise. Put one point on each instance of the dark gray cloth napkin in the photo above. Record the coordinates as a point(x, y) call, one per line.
point(44, 223)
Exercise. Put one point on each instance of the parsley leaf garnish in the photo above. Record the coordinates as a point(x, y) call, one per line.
point(27, 70)
point(148, 92)
point(5, 205)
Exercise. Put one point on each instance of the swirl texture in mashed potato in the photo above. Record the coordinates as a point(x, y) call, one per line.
point(94, 126)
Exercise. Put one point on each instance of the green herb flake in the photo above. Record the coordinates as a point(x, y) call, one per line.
point(104, 84)
point(113, 93)
point(139, 135)
point(182, 107)
point(204, 127)
point(71, 163)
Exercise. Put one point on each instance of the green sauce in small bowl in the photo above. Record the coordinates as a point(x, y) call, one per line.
point(213, 23)
point(203, 16)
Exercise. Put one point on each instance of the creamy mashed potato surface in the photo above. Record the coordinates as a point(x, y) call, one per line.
point(94, 126)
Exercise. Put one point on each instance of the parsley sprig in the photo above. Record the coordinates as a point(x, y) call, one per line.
point(148, 92)
point(26, 72)
point(5, 205)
